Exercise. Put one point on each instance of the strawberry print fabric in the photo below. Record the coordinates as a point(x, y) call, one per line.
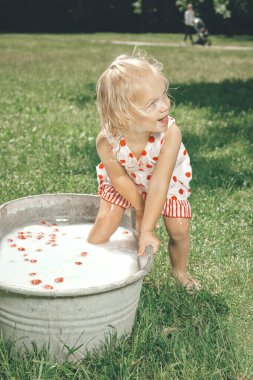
point(141, 170)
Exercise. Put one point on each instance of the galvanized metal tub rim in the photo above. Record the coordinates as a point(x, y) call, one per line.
point(145, 262)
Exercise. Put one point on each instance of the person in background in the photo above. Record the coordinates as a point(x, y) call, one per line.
point(189, 16)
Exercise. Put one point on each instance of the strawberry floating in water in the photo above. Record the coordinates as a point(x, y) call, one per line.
point(21, 249)
point(36, 282)
point(59, 279)
point(13, 245)
point(45, 223)
point(21, 235)
point(68, 258)
point(48, 287)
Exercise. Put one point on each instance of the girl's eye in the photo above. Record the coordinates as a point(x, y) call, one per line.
point(152, 105)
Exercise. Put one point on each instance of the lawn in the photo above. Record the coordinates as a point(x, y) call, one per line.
point(48, 124)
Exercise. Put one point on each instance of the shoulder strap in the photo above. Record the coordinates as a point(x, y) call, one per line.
point(113, 141)
point(171, 122)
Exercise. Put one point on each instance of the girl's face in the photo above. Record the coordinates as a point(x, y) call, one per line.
point(153, 102)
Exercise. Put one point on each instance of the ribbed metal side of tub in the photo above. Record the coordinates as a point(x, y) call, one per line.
point(68, 321)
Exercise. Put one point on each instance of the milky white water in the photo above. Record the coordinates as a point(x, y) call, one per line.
point(50, 257)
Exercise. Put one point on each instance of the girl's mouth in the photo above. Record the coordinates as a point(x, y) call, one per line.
point(165, 119)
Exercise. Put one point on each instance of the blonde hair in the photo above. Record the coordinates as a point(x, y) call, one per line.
point(116, 88)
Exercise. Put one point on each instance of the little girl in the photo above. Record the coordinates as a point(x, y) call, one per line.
point(144, 163)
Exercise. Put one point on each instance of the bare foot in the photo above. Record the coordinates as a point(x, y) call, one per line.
point(182, 278)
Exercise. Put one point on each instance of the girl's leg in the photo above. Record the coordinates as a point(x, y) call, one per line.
point(106, 223)
point(179, 248)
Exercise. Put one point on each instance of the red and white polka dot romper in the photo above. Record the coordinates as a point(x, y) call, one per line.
point(141, 170)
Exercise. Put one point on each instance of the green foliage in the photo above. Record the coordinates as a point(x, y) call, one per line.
point(65, 16)
point(220, 7)
point(137, 6)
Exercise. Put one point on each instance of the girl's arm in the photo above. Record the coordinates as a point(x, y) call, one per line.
point(158, 189)
point(118, 176)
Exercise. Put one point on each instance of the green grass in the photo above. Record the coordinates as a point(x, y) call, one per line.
point(48, 123)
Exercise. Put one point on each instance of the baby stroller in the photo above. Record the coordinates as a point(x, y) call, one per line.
point(203, 35)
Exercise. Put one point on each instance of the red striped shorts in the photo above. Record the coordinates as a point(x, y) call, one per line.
point(173, 208)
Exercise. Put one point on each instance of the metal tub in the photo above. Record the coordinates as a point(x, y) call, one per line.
point(77, 319)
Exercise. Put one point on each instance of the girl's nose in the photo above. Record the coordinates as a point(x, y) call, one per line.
point(165, 104)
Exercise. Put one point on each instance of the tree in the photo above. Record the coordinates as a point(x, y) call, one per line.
point(224, 8)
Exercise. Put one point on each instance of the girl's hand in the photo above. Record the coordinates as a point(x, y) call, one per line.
point(138, 220)
point(148, 238)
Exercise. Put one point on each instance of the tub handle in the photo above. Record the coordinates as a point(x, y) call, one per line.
point(146, 260)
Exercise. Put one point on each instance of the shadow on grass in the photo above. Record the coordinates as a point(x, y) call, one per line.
point(190, 334)
point(86, 153)
point(220, 148)
point(176, 336)
point(225, 96)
